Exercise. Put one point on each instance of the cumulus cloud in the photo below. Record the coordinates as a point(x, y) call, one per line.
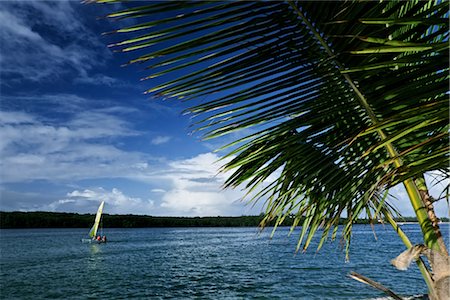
point(194, 188)
point(116, 202)
point(200, 203)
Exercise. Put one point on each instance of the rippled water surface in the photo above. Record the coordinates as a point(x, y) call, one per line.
point(201, 263)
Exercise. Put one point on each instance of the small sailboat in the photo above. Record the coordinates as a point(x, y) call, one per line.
point(93, 232)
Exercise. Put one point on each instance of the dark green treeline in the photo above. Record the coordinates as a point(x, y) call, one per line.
point(72, 220)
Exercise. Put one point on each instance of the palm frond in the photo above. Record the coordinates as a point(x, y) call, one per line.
point(337, 93)
point(374, 284)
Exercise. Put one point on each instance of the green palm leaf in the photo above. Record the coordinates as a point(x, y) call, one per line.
point(345, 99)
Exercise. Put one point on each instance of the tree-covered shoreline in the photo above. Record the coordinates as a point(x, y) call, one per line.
point(10, 220)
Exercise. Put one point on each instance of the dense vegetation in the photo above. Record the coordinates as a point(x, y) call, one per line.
point(73, 220)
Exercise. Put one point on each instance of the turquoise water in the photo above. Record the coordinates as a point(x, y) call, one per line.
point(200, 263)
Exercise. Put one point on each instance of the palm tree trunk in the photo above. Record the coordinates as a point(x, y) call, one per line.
point(421, 202)
point(422, 267)
point(428, 203)
point(429, 235)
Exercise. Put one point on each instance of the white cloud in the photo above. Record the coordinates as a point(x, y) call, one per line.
point(116, 202)
point(206, 163)
point(194, 188)
point(60, 105)
point(160, 140)
point(16, 117)
point(186, 202)
point(33, 149)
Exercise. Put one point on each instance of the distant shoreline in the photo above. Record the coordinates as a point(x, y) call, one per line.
point(74, 220)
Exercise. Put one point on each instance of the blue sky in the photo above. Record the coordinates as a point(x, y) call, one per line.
point(76, 128)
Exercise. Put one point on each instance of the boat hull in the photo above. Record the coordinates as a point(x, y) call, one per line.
point(91, 241)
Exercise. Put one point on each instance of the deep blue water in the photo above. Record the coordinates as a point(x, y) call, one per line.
point(200, 263)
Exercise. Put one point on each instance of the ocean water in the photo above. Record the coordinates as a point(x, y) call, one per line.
point(199, 263)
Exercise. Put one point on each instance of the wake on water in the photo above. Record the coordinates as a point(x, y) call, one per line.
point(415, 297)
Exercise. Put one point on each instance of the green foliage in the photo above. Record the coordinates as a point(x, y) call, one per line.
point(72, 220)
point(45, 220)
point(344, 99)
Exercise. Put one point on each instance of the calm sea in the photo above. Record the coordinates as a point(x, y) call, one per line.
point(201, 263)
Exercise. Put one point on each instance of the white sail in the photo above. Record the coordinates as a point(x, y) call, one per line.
point(98, 217)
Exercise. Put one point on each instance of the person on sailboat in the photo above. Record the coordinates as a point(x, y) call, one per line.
point(104, 239)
